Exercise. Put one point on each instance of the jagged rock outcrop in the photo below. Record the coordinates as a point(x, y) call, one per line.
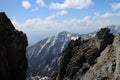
point(13, 43)
point(107, 66)
point(80, 56)
point(104, 68)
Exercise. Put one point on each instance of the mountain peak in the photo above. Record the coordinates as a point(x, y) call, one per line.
point(4, 20)
point(2, 15)
point(64, 33)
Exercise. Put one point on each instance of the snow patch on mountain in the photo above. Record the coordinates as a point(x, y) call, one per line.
point(43, 46)
point(52, 43)
point(74, 38)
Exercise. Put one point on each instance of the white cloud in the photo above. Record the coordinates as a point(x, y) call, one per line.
point(38, 28)
point(96, 15)
point(40, 25)
point(26, 4)
point(115, 6)
point(86, 19)
point(51, 17)
point(44, 28)
point(63, 12)
point(107, 14)
point(76, 4)
point(41, 3)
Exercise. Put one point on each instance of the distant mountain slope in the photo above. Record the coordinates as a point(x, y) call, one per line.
point(114, 29)
point(43, 57)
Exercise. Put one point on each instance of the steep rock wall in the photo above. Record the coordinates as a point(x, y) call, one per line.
point(13, 43)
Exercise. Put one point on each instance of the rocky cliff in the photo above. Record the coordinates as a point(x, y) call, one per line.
point(95, 59)
point(13, 43)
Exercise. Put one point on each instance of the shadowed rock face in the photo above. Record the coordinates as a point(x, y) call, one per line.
point(13, 43)
point(79, 56)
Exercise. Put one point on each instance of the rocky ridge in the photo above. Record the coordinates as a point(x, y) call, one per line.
point(93, 59)
point(13, 43)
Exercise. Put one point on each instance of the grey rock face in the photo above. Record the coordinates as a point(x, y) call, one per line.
point(80, 56)
point(13, 43)
point(117, 48)
point(105, 66)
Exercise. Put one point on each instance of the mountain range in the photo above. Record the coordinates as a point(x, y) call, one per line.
point(44, 56)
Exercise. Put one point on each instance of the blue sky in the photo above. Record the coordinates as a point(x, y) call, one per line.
point(43, 18)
